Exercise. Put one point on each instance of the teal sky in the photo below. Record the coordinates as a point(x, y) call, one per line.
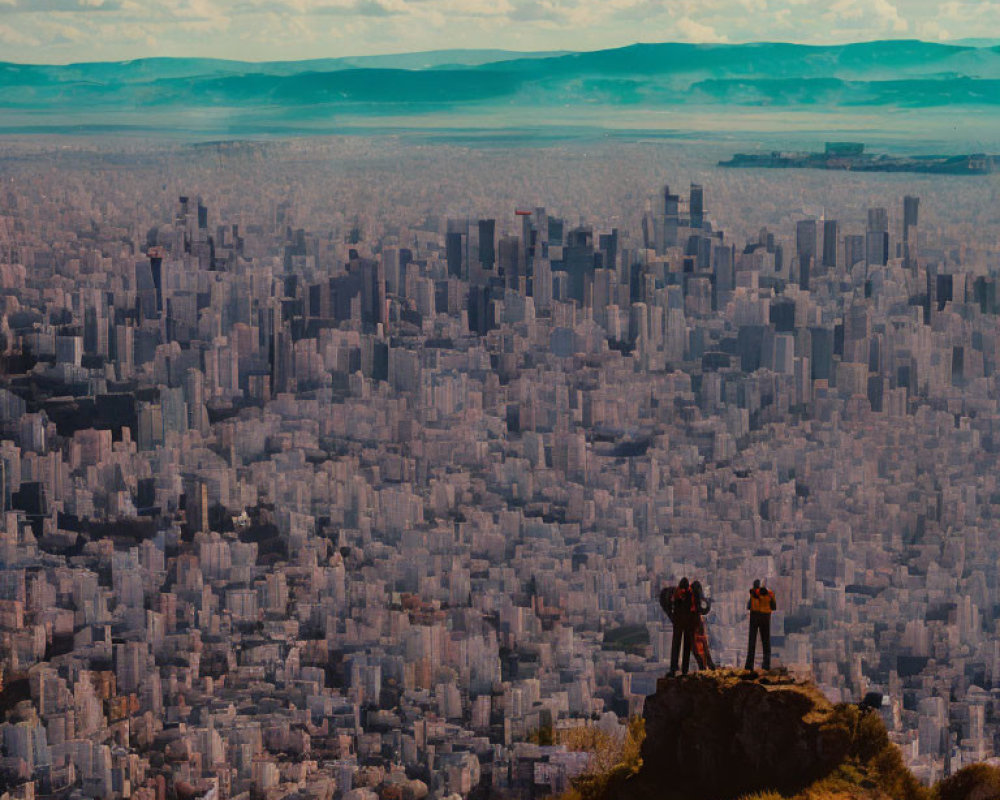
point(59, 31)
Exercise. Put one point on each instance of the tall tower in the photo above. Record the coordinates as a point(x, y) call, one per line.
point(830, 234)
point(805, 249)
point(487, 243)
point(911, 216)
point(877, 238)
point(697, 206)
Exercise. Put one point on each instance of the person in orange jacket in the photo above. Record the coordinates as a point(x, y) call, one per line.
point(760, 605)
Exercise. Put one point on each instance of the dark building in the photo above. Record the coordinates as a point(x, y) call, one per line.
point(555, 232)
point(608, 245)
point(579, 262)
point(697, 206)
point(805, 249)
point(482, 318)
point(854, 250)
point(782, 315)
point(821, 355)
point(911, 212)
point(487, 243)
point(805, 238)
point(453, 253)
point(749, 344)
point(372, 274)
point(830, 233)
point(509, 251)
point(877, 238)
point(911, 218)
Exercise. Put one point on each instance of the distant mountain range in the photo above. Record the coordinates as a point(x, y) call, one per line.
point(872, 76)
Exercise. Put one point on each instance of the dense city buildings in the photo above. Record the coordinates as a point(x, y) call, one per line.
point(354, 468)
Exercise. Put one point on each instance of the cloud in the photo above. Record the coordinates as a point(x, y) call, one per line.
point(471, 8)
point(12, 36)
point(538, 11)
point(882, 15)
point(931, 30)
point(58, 6)
point(889, 15)
point(289, 29)
point(363, 8)
point(693, 31)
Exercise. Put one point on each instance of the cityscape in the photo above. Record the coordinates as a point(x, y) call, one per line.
point(353, 467)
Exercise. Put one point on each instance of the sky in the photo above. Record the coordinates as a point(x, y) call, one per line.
point(61, 31)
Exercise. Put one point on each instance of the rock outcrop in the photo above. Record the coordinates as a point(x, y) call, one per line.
point(723, 734)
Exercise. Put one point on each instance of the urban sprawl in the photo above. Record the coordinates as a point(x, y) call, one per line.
point(302, 499)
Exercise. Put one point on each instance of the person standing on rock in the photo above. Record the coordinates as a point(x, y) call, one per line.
point(679, 605)
point(760, 605)
point(703, 607)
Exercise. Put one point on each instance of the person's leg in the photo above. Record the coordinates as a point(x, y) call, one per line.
point(765, 640)
point(709, 661)
point(688, 636)
point(751, 642)
point(675, 648)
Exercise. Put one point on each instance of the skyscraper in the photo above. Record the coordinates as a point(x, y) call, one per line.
point(487, 243)
point(911, 212)
point(453, 253)
point(805, 249)
point(830, 232)
point(697, 206)
point(877, 238)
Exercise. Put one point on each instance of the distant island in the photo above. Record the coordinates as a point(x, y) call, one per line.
point(852, 156)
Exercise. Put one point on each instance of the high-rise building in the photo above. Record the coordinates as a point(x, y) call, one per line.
point(805, 249)
point(830, 233)
point(555, 232)
point(854, 250)
point(911, 219)
point(453, 253)
point(487, 243)
point(579, 261)
point(877, 237)
point(697, 206)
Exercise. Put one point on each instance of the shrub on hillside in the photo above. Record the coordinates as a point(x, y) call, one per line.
point(975, 782)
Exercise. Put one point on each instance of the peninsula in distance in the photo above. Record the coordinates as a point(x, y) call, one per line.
point(852, 156)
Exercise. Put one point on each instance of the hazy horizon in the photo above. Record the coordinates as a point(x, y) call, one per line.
point(68, 31)
point(888, 93)
point(500, 53)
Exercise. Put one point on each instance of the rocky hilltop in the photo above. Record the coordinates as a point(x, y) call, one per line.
point(725, 734)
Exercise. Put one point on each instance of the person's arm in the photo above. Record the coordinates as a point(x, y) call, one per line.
point(774, 603)
point(706, 604)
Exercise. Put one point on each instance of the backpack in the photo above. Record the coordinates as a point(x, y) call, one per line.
point(666, 600)
point(762, 601)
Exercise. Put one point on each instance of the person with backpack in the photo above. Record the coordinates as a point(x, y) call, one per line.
point(760, 605)
point(703, 607)
point(679, 604)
